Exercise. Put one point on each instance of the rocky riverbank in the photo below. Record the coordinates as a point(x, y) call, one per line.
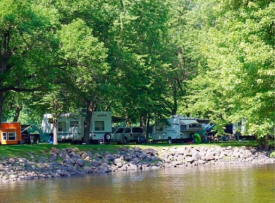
point(72, 161)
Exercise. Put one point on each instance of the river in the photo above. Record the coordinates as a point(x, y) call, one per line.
point(215, 184)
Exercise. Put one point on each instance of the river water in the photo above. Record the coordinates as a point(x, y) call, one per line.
point(223, 184)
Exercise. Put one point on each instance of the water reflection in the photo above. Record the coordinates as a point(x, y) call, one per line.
point(241, 184)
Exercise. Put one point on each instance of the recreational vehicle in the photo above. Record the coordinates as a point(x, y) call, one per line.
point(71, 127)
point(177, 129)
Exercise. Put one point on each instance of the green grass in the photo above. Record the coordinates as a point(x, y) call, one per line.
point(43, 149)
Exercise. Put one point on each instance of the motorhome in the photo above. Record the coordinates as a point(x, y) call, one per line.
point(70, 127)
point(177, 129)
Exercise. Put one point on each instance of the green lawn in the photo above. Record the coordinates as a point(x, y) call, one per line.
point(43, 149)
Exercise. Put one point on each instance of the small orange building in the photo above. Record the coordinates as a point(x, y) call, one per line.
point(10, 133)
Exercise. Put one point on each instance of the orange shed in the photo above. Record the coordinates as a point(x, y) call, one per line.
point(10, 133)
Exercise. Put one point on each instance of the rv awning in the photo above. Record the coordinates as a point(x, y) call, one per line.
point(188, 122)
point(25, 128)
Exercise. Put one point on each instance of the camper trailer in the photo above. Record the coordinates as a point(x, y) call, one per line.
point(71, 127)
point(177, 129)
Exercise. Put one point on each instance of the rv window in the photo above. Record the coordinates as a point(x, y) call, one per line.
point(127, 130)
point(159, 128)
point(137, 130)
point(99, 125)
point(183, 127)
point(4, 136)
point(194, 126)
point(12, 136)
point(61, 126)
point(73, 124)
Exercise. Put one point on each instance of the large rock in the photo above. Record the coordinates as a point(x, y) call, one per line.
point(189, 159)
point(52, 157)
point(80, 162)
point(131, 167)
point(95, 163)
point(118, 162)
point(68, 160)
point(110, 158)
point(104, 168)
point(64, 154)
point(209, 156)
point(22, 160)
point(196, 155)
point(127, 157)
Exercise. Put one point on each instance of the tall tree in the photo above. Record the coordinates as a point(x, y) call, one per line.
point(139, 56)
point(237, 79)
point(26, 44)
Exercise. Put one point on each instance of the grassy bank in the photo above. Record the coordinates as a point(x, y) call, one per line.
point(43, 148)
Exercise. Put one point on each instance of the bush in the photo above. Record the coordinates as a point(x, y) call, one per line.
point(272, 154)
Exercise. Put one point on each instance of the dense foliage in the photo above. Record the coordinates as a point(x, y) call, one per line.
point(140, 59)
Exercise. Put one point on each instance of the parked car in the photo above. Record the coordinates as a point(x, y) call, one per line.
point(125, 135)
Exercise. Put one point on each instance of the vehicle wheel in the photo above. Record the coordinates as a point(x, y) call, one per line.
point(139, 140)
point(107, 137)
point(125, 140)
point(192, 137)
point(170, 140)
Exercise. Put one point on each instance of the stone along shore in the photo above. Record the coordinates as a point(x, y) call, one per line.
point(72, 161)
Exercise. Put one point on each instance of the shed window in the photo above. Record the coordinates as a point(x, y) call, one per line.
point(12, 136)
point(4, 136)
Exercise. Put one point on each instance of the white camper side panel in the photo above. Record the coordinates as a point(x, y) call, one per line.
point(68, 127)
point(47, 125)
point(163, 131)
point(101, 124)
point(176, 128)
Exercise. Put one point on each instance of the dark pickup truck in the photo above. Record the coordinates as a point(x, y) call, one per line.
point(27, 138)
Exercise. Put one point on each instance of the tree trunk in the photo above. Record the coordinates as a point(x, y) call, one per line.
point(127, 120)
point(90, 107)
point(55, 131)
point(267, 142)
point(175, 103)
point(260, 144)
point(1, 107)
point(148, 126)
point(17, 113)
point(143, 123)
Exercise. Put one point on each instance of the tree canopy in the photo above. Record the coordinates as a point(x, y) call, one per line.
point(140, 59)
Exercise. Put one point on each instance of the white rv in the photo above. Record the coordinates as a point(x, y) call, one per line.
point(177, 129)
point(71, 127)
